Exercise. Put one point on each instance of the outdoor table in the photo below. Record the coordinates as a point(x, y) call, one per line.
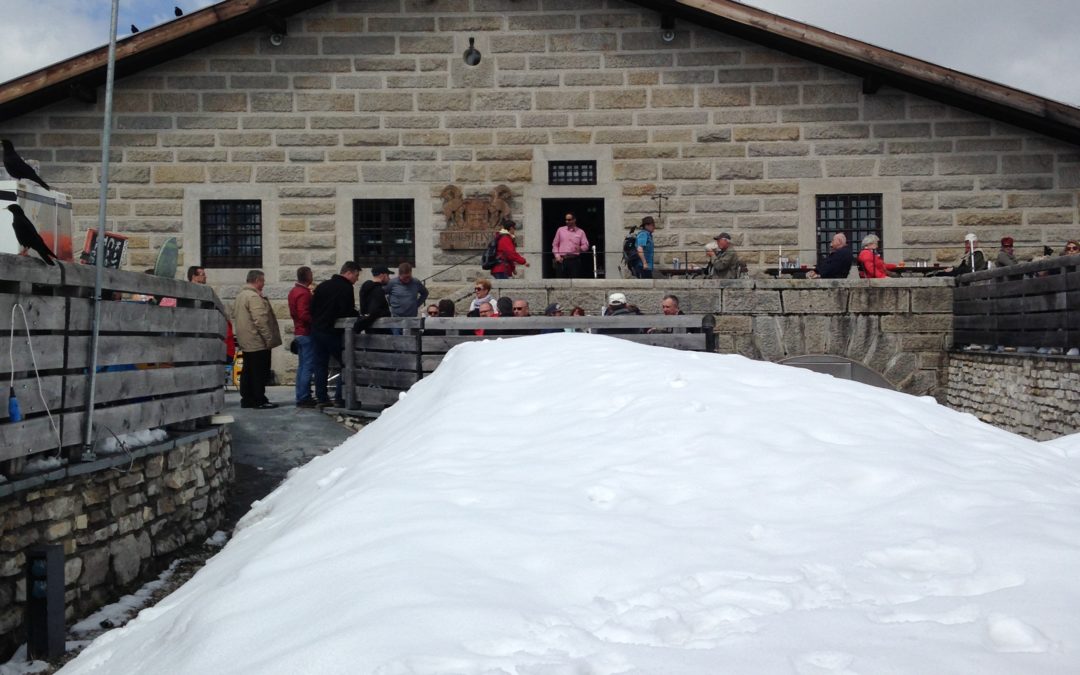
point(681, 271)
point(793, 272)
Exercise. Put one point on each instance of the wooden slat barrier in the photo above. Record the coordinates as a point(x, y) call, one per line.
point(1027, 305)
point(380, 365)
point(157, 365)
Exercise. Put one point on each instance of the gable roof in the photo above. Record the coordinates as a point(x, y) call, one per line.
point(80, 75)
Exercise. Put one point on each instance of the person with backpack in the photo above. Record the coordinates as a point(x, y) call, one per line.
point(643, 267)
point(506, 254)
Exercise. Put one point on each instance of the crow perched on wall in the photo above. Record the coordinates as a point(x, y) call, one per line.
point(177, 11)
point(17, 168)
point(27, 234)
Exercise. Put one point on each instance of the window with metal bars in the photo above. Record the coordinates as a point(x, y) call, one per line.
point(231, 232)
point(854, 216)
point(384, 231)
point(572, 172)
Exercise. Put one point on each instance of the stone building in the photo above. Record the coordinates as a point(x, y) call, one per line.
point(282, 133)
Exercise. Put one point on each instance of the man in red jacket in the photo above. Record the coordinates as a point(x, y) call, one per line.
point(506, 252)
point(300, 311)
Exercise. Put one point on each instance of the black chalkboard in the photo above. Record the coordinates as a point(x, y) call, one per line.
point(115, 244)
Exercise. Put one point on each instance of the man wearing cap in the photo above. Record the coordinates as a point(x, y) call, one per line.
point(643, 268)
point(1006, 256)
point(569, 243)
point(373, 302)
point(837, 265)
point(973, 260)
point(725, 264)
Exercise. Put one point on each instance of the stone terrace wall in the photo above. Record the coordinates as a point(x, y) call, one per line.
point(1034, 396)
point(899, 328)
point(117, 522)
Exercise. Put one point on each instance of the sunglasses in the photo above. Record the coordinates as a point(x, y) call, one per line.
point(479, 288)
point(1072, 248)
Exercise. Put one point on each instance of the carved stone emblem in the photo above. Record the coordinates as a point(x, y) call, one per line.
point(470, 221)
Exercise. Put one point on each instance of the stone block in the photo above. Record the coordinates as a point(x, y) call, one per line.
point(229, 173)
point(906, 166)
point(370, 138)
point(224, 102)
point(358, 44)
point(686, 170)
point(901, 130)
point(730, 75)
point(333, 174)
point(917, 323)
point(969, 201)
point(170, 102)
point(780, 133)
point(480, 121)
point(672, 97)
point(786, 94)
point(383, 174)
point(385, 102)
point(124, 559)
point(259, 82)
point(967, 165)
point(989, 219)
point(837, 168)
point(717, 97)
point(937, 184)
point(793, 168)
point(816, 301)
point(932, 300)
point(503, 100)
point(262, 102)
point(179, 174)
point(585, 41)
point(325, 102)
point(738, 170)
point(620, 99)
point(831, 114)
point(1013, 164)
point(744, 301)
point(879, 300)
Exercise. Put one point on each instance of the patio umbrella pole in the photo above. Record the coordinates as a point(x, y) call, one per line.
point(99, 249)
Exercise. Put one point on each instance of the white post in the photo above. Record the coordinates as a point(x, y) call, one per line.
point(595, 273)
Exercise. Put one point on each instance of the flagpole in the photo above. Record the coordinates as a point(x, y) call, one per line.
point(99, 249)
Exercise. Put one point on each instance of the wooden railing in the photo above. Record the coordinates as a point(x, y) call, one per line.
point(1028, 305)
point(380, 365)
point(156, 365)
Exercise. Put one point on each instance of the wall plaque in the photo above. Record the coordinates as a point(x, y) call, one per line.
point(470, 221)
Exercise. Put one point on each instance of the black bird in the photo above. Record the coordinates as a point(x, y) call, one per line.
point(134, 29)
point(177, 11)
point(17, 168)
point(27, 234)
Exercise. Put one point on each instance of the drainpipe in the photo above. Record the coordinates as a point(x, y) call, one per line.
point(99, 253)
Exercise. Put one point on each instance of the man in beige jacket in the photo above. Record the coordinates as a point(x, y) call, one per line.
point(256, 330)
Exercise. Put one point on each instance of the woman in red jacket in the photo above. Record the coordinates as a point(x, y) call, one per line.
point(871, 265)
point(506, 252)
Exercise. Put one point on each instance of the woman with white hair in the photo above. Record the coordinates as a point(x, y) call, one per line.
point(871, 264)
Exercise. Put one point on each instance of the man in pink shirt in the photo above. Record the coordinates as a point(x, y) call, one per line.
point(569, 243)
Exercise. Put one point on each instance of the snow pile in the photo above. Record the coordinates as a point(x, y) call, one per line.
point(574, 503)
point(112, 445)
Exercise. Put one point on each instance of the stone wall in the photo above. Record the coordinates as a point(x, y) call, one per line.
point(118, 519)
point(372, 100)
point(898, 328)
point(1031, 395)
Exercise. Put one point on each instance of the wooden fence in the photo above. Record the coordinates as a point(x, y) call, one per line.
point(380, 365)
point(1029, 305)
point(156, 365)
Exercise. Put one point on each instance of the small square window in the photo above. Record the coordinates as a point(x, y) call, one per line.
point(572, 173)
point(384, 231)
point(231, 233)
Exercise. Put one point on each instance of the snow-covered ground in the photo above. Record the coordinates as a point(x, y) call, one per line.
point(575, 503)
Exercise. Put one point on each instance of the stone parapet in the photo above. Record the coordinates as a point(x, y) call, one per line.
point(119, 520)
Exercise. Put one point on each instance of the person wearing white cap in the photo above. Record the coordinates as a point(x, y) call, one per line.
point(973, 260)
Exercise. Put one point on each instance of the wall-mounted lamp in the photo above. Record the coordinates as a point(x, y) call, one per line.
point(667, 28)
point(472, 55)
point(278, 29)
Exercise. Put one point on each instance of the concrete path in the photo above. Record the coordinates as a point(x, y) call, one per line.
point(266, 444)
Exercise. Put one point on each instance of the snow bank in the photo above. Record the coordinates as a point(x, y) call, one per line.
point(578, 504)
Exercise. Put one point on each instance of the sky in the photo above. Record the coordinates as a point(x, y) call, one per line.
point(1027, 44)
point(671, 512)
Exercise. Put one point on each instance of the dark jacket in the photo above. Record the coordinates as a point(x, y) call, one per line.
point(836, 265)
point(965, 266)
point(333, 300)
point(373, 304)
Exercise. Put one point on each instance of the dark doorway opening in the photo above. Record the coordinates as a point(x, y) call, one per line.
point(590, 218)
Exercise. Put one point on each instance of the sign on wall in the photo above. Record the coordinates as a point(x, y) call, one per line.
point(115, 245)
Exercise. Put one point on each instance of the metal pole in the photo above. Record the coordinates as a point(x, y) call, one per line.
point(99, 251)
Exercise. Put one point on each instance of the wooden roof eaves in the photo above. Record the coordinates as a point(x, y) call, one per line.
point(140, 51)
point(973, 93)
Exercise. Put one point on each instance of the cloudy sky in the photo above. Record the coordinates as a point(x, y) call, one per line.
point(1026, 44)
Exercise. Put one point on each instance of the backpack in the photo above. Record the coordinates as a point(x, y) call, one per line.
point(490, 257)
point(629, 250)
